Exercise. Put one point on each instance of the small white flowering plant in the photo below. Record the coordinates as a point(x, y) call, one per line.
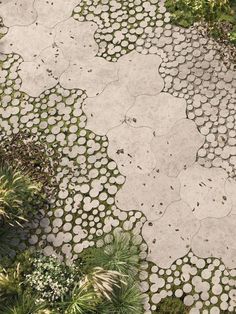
point(50, 279)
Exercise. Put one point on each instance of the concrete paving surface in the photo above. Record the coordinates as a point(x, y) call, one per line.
point(143, 114)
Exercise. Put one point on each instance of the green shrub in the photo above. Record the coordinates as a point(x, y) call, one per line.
point(9, 283)
point(57, 288)
point(12, 276)
point(24, 304)
point(103, 282)
point(220, 16)
point(186, 12)
point(16, 296)
point(7, 248)
point(21, 150)
point(171, 305)
point(119, 255)
point(82, 300)
point(126, 300)
point(17, 195)
point(50, 279)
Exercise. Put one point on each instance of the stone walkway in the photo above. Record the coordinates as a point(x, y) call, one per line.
point(142, 114)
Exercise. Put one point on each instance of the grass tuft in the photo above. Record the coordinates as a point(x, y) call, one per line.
point(119, 255)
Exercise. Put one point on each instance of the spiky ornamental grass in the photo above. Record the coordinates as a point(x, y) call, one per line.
point(103, 282)
point(83, 300)
point(17, 194)
point(13, 298)
point(120, 255)
point(9, 283)
point(92, 290)
point(126, 300)
point(24, 304)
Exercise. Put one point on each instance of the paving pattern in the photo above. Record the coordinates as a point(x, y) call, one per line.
point(142, 115)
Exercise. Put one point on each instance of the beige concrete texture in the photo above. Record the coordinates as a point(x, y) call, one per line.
point(143, 115)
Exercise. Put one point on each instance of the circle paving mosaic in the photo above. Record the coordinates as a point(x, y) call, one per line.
point(180, 204)
point(87, 179)
point(191, 67)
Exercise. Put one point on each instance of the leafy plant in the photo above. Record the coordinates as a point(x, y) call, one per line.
point(126, 300)
point(217, 16)
point(83, 300)
point(171, 305)
point(9, 283)
point(120, 255)
point(103, 281)
point(24, 304)
point(58, 288)
point(232, 35)
point(51, 279)
point(16, 297)
point(6, 245)
point(186, 12)
point(16, 192)
point(23, 151)
point(12, 275)
point(92, 290)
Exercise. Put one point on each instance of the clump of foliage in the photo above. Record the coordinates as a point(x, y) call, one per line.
point(9, 282)
point(33, 283)
point(38, 284)
point(25, 304)
point(17, 194)
point(19, 198)
point(82, 300)
point(102, 281)
point(15, 298)
point(120, 255)
point(219, 16)
point(127, 299)
point(7, 233)
point(91, 291)
point(50, 279)
point(25, 183)
point(172, 305)
point(24, 152)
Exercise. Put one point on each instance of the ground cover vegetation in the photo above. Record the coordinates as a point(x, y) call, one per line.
point(220, 15)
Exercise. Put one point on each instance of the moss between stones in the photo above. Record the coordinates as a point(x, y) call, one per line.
point(172, 306)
